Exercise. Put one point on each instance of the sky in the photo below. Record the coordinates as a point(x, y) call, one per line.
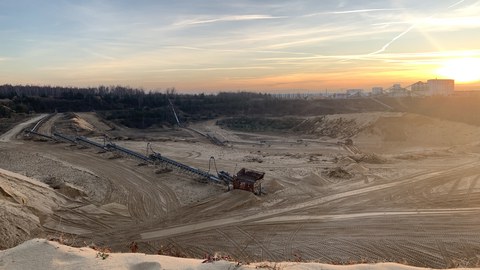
point(253, 45)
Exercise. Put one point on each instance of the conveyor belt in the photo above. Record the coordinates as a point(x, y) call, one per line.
point(150, 159)
point(39, 134)
point(90, 142)
point(128, 152)
point(187, 168)
point(64, 137)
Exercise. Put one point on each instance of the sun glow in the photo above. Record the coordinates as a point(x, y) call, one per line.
point(463, 70)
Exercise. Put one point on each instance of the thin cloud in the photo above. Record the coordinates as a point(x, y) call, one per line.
point(100, 55)
point(363, 10)
point(353, 11)
point(338, 35)
point(237, 50)
point(228, 19)
point(389, 23)
point(212, 69)
point(391, 57)
point(455, 23)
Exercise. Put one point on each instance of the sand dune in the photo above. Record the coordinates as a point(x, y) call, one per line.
point(43, 254)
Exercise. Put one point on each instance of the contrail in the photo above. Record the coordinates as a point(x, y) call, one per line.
point(410, 29)
point(393, 40)
point(227, 19)
point(456, 4)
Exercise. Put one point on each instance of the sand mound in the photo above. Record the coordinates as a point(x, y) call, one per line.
point(338, 125)
point(72, 123)
point(407, 132)
point(82, 124)
point(369, 158)
point(239, 199)
point(338, 173)
point(313, 179)
point(42, 254)
point(272, 186)
point(23, 201)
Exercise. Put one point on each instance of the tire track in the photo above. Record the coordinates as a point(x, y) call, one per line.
point(361, 250)
point(287, 249)
point(340, 252)
point(454, 187)
point(444, 253)
point(471, 187)
point(139, 192)
point(271, 214)
point(264, 249)
point(241, 251)
point(397, 250)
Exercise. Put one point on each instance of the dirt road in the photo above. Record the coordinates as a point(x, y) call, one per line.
point(9, 135)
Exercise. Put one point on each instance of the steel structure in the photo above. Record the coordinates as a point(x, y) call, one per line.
point(114, 147)
point(65, 138)
point(186, 168)
point(38, 134)
point(222, 177)
point(90, 142)
point(39, 123)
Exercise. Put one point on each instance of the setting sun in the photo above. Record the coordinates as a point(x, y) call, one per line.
point(461, 70)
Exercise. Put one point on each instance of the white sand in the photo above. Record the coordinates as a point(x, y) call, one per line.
point(43, 254)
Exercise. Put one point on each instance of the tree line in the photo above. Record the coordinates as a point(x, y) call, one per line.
point(129, 106)
point(142, 109)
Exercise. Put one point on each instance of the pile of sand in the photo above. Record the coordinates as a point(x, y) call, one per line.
point(80, 123)
point(71, 123)
point(23, 201)
point(338, 125)
point(370, 158)
point(58, 174)
point(407, 132)
point(338, 173)
point(42, 254)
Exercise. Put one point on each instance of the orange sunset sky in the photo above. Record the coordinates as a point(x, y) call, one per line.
point(267, 46)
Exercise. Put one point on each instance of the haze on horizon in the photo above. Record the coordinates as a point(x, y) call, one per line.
point(239, 45)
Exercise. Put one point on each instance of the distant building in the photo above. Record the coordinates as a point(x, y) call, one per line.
point(434, 87)
point(398, 91)
point(313, 95)
point(420, 87)
point(443, 87)
point(377, 91)
point(339, 96)
point(354, 92)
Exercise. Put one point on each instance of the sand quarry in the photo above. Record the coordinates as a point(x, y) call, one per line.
point(406, 191)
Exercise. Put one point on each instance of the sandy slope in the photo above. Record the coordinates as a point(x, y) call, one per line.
point(43, 254)
point(395, 133)
point(23, 202)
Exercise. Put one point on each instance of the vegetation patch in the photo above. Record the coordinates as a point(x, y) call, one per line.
point(260, 124)
point(370, 158)
point(338, 173)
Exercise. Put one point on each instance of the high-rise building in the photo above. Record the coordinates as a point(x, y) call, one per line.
point(441, 87)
